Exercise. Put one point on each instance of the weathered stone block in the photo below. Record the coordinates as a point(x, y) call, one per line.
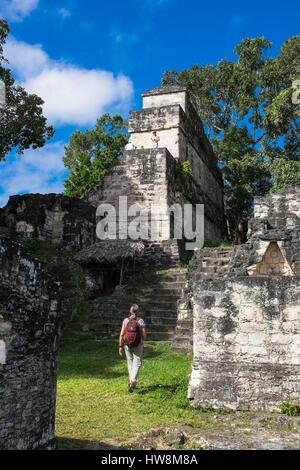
point(63, 221)
point(27, 350)
point(249, 358)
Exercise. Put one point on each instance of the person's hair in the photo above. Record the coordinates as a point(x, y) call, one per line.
point(134, 309)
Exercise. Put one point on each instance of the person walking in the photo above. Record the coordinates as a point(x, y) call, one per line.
point(155, 139)
point(132, 336)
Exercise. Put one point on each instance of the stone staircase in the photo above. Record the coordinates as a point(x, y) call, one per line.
point(156, 293)
point(210, 263)
point(207, 263)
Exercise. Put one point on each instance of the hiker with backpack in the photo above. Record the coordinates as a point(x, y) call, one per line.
point(132, 335)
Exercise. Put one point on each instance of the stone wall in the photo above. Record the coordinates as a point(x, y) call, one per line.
point(246, 343)
point(65, 222)
point(29, 327)
point(172, 95)
point(276, 207)
point(144, 177)
point(170, 112)
point(247, 319)
point(152, 179)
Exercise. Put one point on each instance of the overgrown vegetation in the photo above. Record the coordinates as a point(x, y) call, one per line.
point(289, 409)
point(91, 154)
point(186, 168)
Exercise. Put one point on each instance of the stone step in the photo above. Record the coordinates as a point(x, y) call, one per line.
point(156, 290)
point(160, 336)
point(184, 332)
point(185, 323)
point(215, 261)
point(160, 312)
point(157, 297)
point(150, 321)
point(164, 304)
point(169, 284)
point(161, 304)
point(161, 300)
point(156, 321)
point(208, 269)
point(116, 327)
point(173, 278)
point(145, 313)
point(183, 345)
point(201, 276)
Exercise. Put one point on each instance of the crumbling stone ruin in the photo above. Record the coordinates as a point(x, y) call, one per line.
point(32, 301)
point(246, 313)
point(152, 177)
point(29, 326)
point(238, 307)
point(65, 222)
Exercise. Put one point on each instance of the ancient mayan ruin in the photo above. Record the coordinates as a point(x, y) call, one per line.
point(237, 309)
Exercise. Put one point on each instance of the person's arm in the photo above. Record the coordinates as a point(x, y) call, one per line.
point(121, 338)
point(143, 332)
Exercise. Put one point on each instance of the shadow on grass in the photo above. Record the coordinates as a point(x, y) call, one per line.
point(65, 443)
point(157, 387)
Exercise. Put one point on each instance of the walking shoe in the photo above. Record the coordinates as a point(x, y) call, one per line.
point(130, 388)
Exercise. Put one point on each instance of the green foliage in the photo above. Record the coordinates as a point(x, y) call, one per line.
point(186, 168)
point(40, 249)
point(22, 123)
point(210, 244)
point(91, 154)
point(247, 110)
point(289, 409)
point(187, 256)
point(285, 173)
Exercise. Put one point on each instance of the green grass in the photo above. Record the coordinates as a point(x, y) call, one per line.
point(94, 407)
point(289, 409)
point(93, 403)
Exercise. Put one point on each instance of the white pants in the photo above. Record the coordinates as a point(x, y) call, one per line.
point(134, 360)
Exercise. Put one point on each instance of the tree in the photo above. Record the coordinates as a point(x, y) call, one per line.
point(22, 123)
point(91, 154)
point(247, 110)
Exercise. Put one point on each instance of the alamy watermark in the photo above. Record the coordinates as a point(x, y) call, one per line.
point(296, 92)
point(2, 93)
point(159, 222)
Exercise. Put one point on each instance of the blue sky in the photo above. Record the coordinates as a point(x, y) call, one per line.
point(89, 57)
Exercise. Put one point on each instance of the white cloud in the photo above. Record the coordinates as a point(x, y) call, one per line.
point(16, 10)
point(36, 171)
point(78, 96)
point(26, 60)
point(72, 95)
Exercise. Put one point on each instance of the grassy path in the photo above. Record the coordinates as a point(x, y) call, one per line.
point(93, 403)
